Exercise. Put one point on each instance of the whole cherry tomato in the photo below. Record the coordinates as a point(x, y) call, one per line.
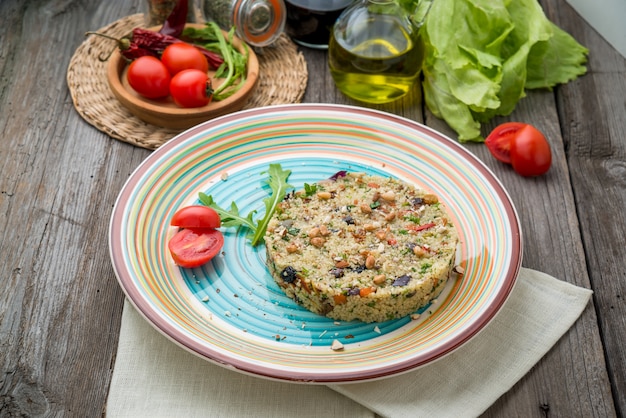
point(196, 216)
point(191, 88)
point(530, 152)
point(195, 247)
point(181, 56)
point(149, 77)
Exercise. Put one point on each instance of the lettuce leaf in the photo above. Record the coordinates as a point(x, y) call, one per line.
point(560, 51)
point(482, 55)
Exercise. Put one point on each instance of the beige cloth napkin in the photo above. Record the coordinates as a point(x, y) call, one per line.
point(153, 377)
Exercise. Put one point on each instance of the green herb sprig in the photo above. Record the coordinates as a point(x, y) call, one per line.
point(231, 217)
point(234, 69)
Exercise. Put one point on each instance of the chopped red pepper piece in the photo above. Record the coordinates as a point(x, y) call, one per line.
point(418, 228)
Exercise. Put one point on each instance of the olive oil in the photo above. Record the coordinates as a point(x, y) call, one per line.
point(374, 58)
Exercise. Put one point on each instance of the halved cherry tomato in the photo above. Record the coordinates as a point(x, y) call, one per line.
point(196, 216)
point(530, 152)
point(499, 140)
point(181, 56)
point(195, 247)
point(191, 88)
point(149, 77)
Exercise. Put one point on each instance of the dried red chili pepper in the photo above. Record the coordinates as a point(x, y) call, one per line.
point(146, 42)
point(155, 41)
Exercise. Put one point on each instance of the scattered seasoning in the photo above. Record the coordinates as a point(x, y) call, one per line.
point(349, 336)
point(205, 299)
point(227, 313)
point(415, 316)
point(323, 333)
point(377, 330)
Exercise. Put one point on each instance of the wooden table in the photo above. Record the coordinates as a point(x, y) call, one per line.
point(60, 304)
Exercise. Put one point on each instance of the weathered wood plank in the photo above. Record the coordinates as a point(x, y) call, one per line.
point(61, 306)
point(592, 111)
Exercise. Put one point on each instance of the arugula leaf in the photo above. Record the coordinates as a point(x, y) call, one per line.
point(231, 217)
point(277, 182)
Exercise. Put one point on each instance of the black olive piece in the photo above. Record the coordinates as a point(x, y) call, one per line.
point(360, 269)
point(402, 280)
point(289, 274)
point(338, 273)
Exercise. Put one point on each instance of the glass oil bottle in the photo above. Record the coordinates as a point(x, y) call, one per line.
point(374, 53)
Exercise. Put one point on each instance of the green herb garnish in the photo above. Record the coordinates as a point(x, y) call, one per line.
point(412, 218)
point(310, 189)
point(232, 218)
point(425, 267)
point(234, 68)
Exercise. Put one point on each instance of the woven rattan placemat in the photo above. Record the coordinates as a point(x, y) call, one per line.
point(282, 79)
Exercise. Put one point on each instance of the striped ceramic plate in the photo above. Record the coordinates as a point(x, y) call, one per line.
point(231, 312)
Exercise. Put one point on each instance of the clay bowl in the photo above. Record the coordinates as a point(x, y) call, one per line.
point(164, 112)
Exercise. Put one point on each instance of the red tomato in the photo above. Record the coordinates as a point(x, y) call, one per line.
point(196, 216)
point(499, 140)
point(530, 152)
point(195, 247)
point(181, 56)
point(149, 77)
point(191, 88)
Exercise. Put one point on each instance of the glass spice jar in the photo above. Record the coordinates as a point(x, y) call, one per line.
point(157, 11)
point(257, 22)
